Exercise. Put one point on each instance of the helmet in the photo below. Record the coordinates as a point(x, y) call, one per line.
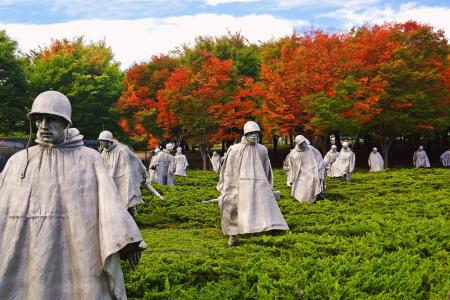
point(105, 136)
point(333, 147)
point(300, 139)
point(251, 126)
point(52, 103)
point(375, 148)
point(345, 144)
point(169, 146)
point(157, 150)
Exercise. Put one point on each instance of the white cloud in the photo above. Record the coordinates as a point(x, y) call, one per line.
point(137, 40)
point(217, 2)
point(438, 17)
point(327, 3)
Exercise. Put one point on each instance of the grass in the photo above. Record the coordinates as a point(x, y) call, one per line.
point(383, 236)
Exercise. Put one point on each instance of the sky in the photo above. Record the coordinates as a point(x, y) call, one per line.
point(138, 29)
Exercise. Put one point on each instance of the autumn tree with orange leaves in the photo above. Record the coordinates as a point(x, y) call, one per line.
point(137, 108)
point(381, 82)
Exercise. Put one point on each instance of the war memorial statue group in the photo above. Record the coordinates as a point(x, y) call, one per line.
point(66, 211)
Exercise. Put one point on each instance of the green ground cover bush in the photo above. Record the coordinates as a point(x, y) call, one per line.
point(383, 236)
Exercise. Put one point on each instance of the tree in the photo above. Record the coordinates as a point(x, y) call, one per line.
point(137, 107)
point(308, 64)
point(13, 87)
point(411, 59)
point(189, 95)
point(86, 74)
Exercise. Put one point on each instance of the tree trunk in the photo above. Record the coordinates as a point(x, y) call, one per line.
point(337, 139)
point(323, 143)
point(386, 143)
point(223, 146)
point(275, 144)
point(291, 140)
point(204, 154)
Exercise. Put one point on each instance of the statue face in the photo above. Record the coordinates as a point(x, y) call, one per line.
point(252, 137)
point(375, 150)
point(104, 144)
point(50, 128)
point(303, 146)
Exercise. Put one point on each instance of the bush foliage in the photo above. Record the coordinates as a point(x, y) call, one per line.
point(383, 236)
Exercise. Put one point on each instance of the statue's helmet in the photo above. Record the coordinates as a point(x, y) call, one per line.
point(52, 103)
point(300, 139)
point(333, 147)
point(345, 144)
point(169, 146)
point(105, 136)
point(375, 149)
point(157, 150)
point(251, 126)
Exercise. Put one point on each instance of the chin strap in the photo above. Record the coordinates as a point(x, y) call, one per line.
point(22, 176)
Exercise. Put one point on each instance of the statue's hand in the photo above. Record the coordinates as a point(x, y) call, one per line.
point(132, 253)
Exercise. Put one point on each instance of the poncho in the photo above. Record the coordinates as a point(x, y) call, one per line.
point(165, 170)
point(246, 198)
point(376, 162)
point(127, 171)
point(62, 225)
point(420, 159)
point(304, 174)
point(215, 162)
point(287, 167)
point(181, 164)
point(445, 158)
point(319, 158)
point(151, 171)
point(330, 159)
point(345, 163)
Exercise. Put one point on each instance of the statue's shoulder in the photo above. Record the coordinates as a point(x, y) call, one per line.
point(261, 148)
point(235, 148)
point(88, 153)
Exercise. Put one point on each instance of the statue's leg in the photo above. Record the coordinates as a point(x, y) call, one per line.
point(233, 241)
point(132, 211)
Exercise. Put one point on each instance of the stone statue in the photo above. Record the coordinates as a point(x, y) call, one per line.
point(376, 162)
point(63, 226)
point(164, 165)
point(215, 161)
point(151, 168)
point(420, 158)
point(305, 171)
point(344, 164)
point(246, 200)
point(330, 158)
point(126, 169)
point(181, 163)
point(445, 158)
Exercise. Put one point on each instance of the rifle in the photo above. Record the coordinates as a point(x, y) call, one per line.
point(153, 191)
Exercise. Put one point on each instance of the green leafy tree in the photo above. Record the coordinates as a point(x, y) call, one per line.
point(13, 87)
point(87, 74)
